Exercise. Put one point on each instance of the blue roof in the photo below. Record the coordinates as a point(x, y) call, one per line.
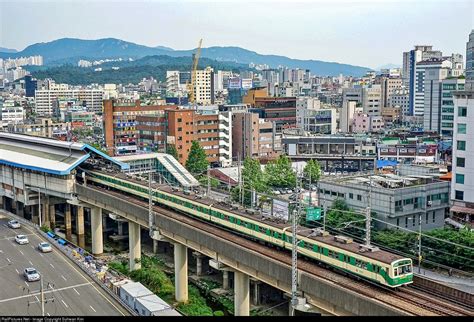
point(386, 163)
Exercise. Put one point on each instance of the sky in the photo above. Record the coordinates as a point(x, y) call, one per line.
point(368, 33)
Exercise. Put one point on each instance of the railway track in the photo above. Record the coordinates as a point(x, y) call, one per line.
point(421, 304)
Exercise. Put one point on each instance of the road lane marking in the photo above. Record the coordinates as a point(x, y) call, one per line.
point(36, 297)
point(21, 252)
point(76, 291)
point(17, 271)
point(63, 277)
point(64, 303)
point(51, 265)
point(32, 246)
point(45, 292)
point(30, 263)
point(27, 284)
point(48, 314)
point(41, 255)
point(8, 260)
point(92, 308)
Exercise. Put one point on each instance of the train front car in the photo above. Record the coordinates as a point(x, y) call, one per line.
point(401, 272)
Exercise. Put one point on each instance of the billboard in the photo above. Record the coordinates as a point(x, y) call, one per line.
point(246, 83)
point(234, 83)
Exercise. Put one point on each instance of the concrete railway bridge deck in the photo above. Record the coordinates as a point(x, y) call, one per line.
point(38, 174)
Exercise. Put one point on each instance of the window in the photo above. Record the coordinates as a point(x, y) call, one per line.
point(459, 195)
point(180, 120)
point(459, 178)
point(461, 128)
point(359, 197)
point(460, 162)
point(414, 221)
point(406, 222)
point(351, 195)
point(462, 111)
point(426, 217)
point(398, 222)
point(461, 145)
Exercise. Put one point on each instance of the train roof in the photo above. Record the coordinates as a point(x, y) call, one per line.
point(354, 247)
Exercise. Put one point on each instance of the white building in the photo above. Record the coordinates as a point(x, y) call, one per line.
point(204, 86)
point(372, 100)
point(462, 184)
point(11, 113)
point(346, 116)
point(45, 99)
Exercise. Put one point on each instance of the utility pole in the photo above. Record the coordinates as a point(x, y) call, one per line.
point(419, 241)
point(368, 213)
point(150, 203)
point(42, 300)
point(208, 182)
point(39, 208)
point(294, 254)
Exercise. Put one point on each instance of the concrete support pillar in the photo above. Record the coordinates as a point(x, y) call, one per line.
point(68, 222)
point(181, 272)
point(155, 246)
point(45, 209)
point(52, 216)
point(199, 258)
point(256, 292)
point(120, 227)
point(80, 226)
point(225, 280)
point(134, 246)
point(20, 209)
point(96, 227)
point(241, 294)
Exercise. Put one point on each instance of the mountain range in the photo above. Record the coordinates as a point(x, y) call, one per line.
point(69, 50)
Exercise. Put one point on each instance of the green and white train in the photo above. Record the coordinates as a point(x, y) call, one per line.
point(379, 266)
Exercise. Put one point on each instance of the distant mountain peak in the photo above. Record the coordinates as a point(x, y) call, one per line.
point(68, 48)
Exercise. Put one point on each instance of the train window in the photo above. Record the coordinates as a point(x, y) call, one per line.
point(269, 232)
point(315, 248)
point(308, 246)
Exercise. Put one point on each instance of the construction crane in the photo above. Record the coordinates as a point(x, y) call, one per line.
point(191, 86)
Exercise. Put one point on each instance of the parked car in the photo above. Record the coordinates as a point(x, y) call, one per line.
point(21, 239)
point(14, 224)
point(45, 247)
point(276, 192)
point(31, 274)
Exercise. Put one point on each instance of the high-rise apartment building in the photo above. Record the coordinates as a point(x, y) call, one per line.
point(462, 183)
point(45, 98)
point(204, 86)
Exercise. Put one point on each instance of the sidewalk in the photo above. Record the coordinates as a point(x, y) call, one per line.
point(464, 284)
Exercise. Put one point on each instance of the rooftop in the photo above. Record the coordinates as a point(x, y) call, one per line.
point(46, 155)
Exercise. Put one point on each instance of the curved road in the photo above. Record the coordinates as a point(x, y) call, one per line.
point(74, 293)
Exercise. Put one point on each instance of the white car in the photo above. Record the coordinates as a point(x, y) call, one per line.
point(45, 247)
point(31, 274)
point(21, 239)
point(14, 224)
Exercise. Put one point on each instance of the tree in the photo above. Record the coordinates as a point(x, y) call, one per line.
point(197, 160)
point(171, 149)
point(340, 215)
point(312, 171)
point(253, 180)
point(280, 173)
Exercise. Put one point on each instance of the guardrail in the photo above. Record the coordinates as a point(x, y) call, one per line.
point(74, 254)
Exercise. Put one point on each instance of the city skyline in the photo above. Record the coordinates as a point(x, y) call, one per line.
point(375, 38)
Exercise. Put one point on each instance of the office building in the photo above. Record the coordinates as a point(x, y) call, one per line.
point(120, 124)
point(372, 100)
point(389, 86)
point(398, 200)
point(433, 98)
point(311, 118)
point(400, 98)
point(254, 137)
point(30, 86)
point(210, 128)
point(410, 61)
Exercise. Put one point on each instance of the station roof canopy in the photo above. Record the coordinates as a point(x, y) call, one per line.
point(46, 155)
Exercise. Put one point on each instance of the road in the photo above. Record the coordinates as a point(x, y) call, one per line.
point(74, 293)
